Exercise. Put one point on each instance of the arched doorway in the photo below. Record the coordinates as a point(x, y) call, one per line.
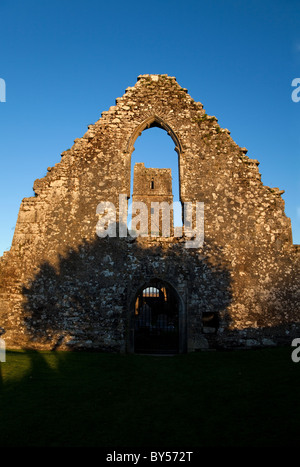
point(156, 320)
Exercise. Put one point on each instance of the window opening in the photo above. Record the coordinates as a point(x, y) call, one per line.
point(156, 149)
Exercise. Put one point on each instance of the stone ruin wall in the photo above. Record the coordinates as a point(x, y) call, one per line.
point(63, 287)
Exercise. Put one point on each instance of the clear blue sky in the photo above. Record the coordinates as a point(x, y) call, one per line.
point(66, 61)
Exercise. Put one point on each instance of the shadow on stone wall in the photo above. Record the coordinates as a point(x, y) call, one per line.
point(83, 302)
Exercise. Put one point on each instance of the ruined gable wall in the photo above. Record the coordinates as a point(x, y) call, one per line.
point(213, 169)
point(244, 219)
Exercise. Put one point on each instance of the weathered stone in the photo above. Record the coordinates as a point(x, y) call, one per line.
point(64, 287)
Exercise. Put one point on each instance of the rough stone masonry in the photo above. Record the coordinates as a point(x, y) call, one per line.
point(63, 287)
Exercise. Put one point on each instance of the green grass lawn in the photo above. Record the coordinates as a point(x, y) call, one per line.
point(206, 399)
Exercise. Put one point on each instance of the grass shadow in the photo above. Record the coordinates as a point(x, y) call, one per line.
point(207, 399)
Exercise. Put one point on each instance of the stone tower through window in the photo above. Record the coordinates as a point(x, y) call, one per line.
point(153, 188)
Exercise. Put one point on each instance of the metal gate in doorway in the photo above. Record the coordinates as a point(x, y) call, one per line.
point(156, 320)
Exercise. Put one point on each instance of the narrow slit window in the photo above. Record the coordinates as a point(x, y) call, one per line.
point(152, 184)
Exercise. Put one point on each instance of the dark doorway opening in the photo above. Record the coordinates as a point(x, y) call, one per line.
point(156, 319)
